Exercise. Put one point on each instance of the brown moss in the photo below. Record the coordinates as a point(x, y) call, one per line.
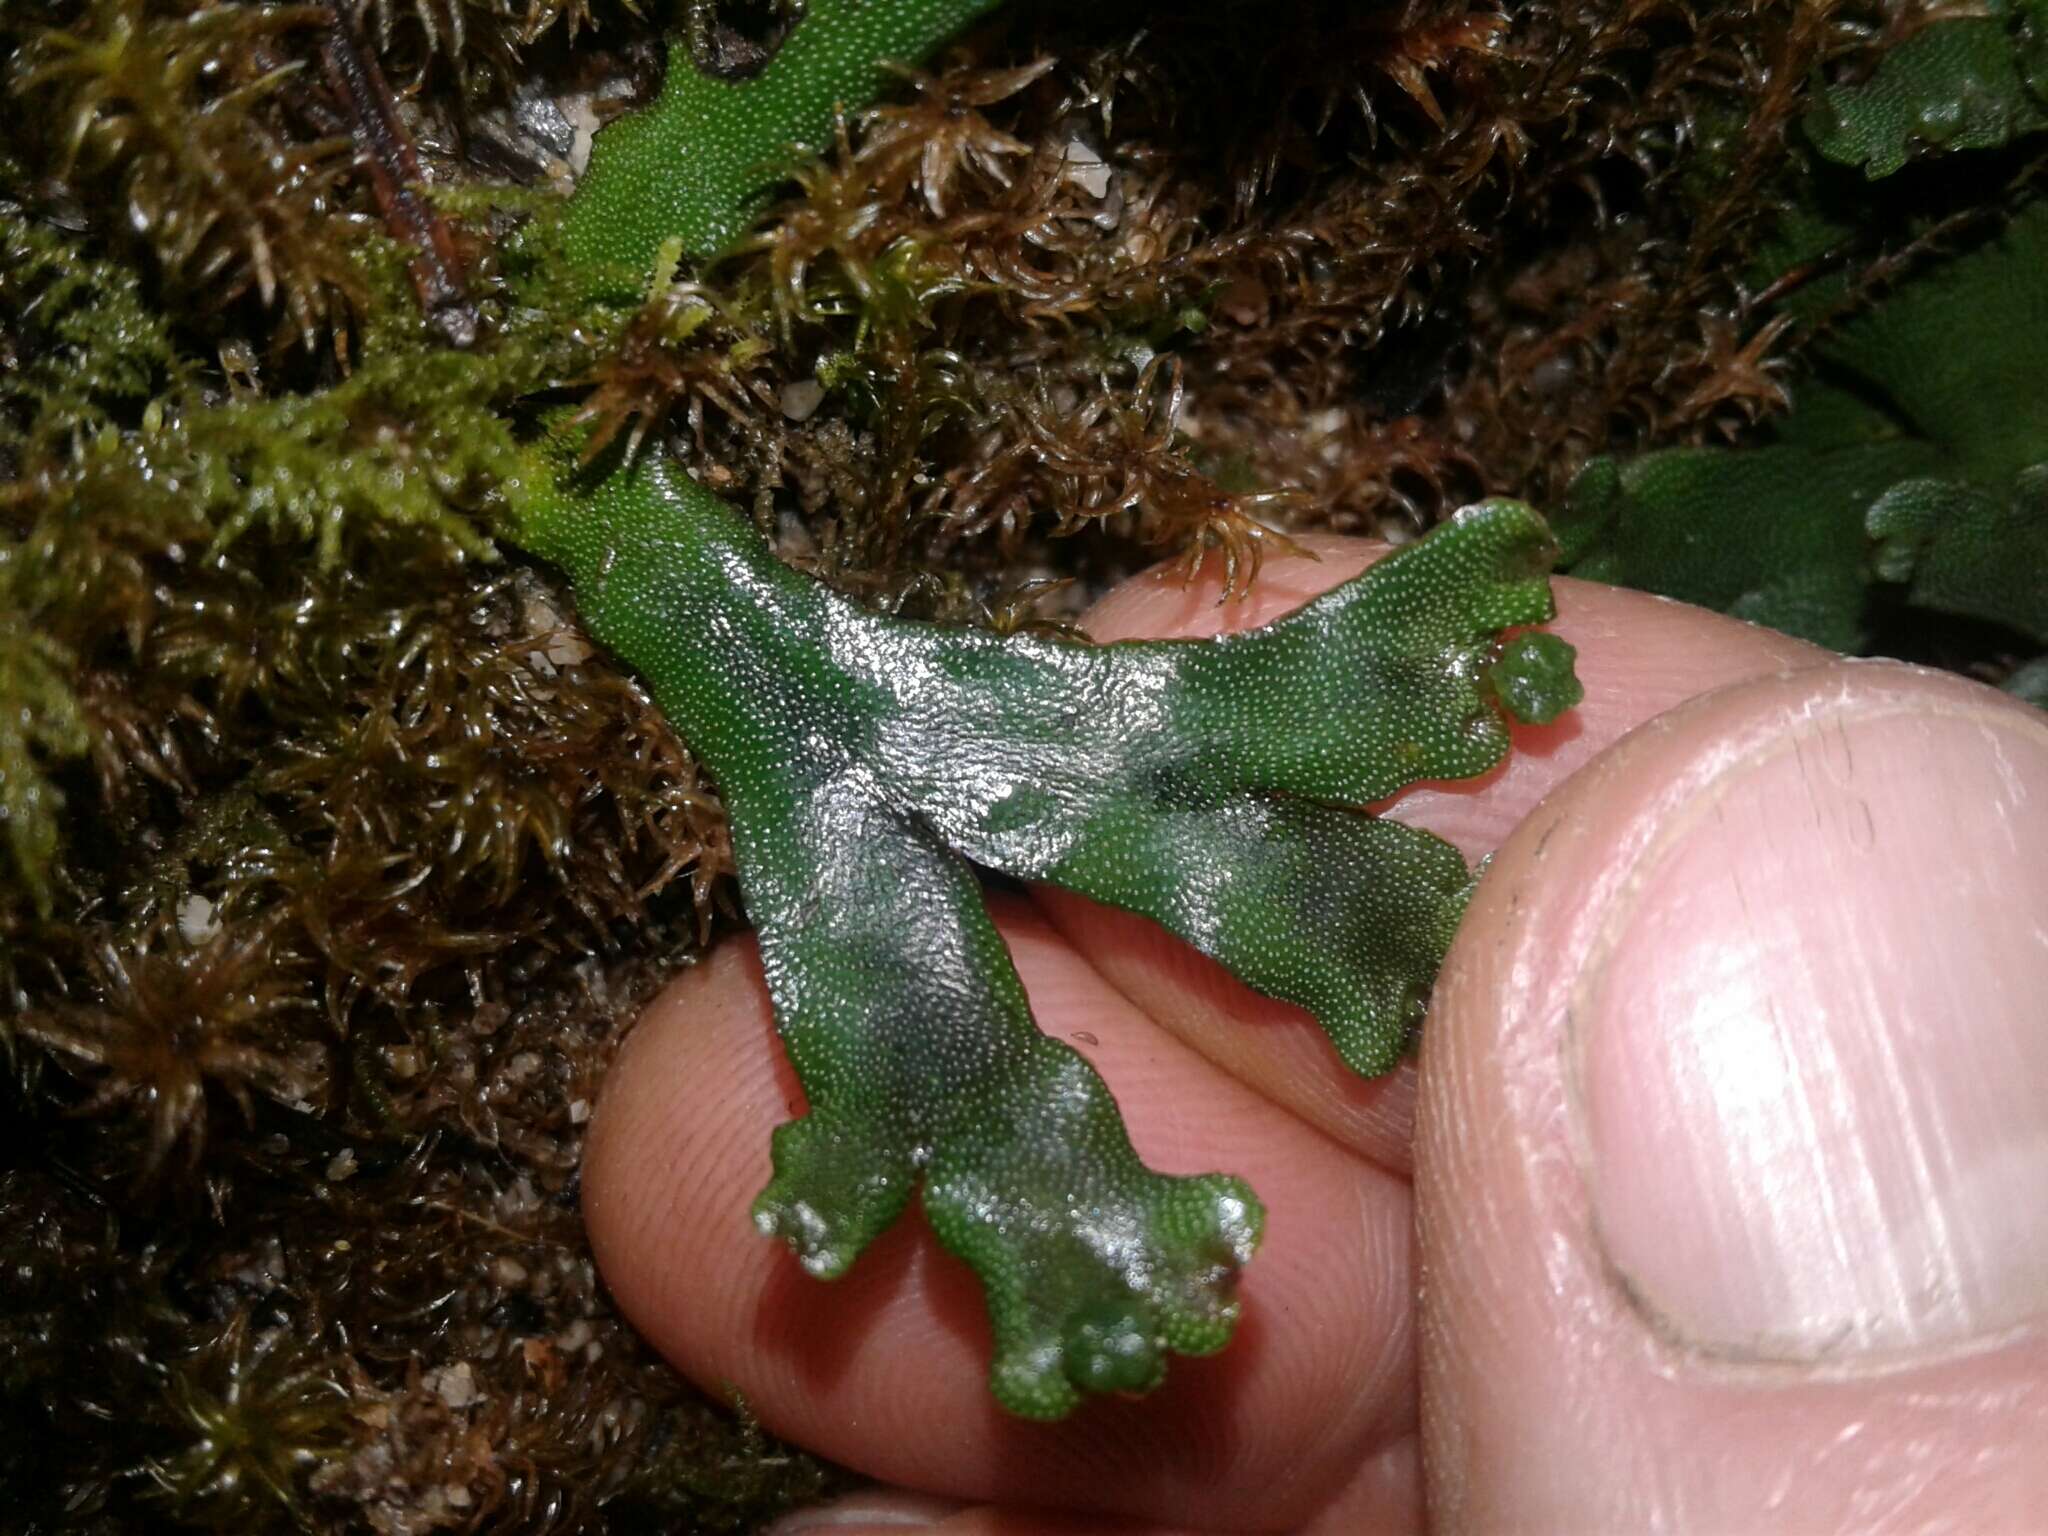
point(185, 118)
point(1429, 252)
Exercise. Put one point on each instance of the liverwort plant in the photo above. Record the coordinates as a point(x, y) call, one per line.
point(868, 763)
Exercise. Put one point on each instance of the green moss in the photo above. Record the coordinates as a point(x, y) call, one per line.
point(1958, 83)
point(40, 726)
point(1907, 476)
point(89, 350)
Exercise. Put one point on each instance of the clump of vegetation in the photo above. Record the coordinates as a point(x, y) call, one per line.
point(1895, 487)
point(336, 859)
point(178, 130)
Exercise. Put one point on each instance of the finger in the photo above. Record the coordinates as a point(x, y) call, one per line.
point(1382, 1483)
point(1638, 656)
point(854, 1517)
point(885, 1370)
point(1733, 1144)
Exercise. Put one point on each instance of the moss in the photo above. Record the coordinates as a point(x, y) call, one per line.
point(182, 121)
point(40, 725)
point(86, 350)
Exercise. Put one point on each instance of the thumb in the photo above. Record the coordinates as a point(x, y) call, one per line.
point(1732, 1163)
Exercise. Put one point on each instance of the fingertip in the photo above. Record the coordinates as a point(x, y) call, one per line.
point(697, 1051)
point(862, 1518)
point(1728, 1071)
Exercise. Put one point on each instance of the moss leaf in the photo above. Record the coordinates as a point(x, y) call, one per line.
point(701, 163)
point(40, 725)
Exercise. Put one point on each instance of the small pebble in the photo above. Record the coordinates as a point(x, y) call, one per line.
point(456, 1386)
point(800, 401)
point(1085, 168)
point(569, 650)
point(197, 920)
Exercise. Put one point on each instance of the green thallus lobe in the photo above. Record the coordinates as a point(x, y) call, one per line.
point(865, 761)
point(700, 164)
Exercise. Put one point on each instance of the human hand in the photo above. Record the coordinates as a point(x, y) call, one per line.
point(1723, 1170)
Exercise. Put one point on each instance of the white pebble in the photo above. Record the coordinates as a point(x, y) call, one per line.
point(800, 401)
point(456, 1386)
point(1085, 168)
point(197, 920)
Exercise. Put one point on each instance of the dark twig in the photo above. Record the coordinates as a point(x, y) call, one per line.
point(385, 151)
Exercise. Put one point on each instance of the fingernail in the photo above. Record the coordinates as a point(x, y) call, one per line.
point(1812, 1039)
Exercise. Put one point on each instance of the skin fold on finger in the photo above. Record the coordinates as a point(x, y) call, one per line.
point(1638, 656)
point(1382, 1485)
point(885, 1369)
point(981, 1520)
point(1558, 1396)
